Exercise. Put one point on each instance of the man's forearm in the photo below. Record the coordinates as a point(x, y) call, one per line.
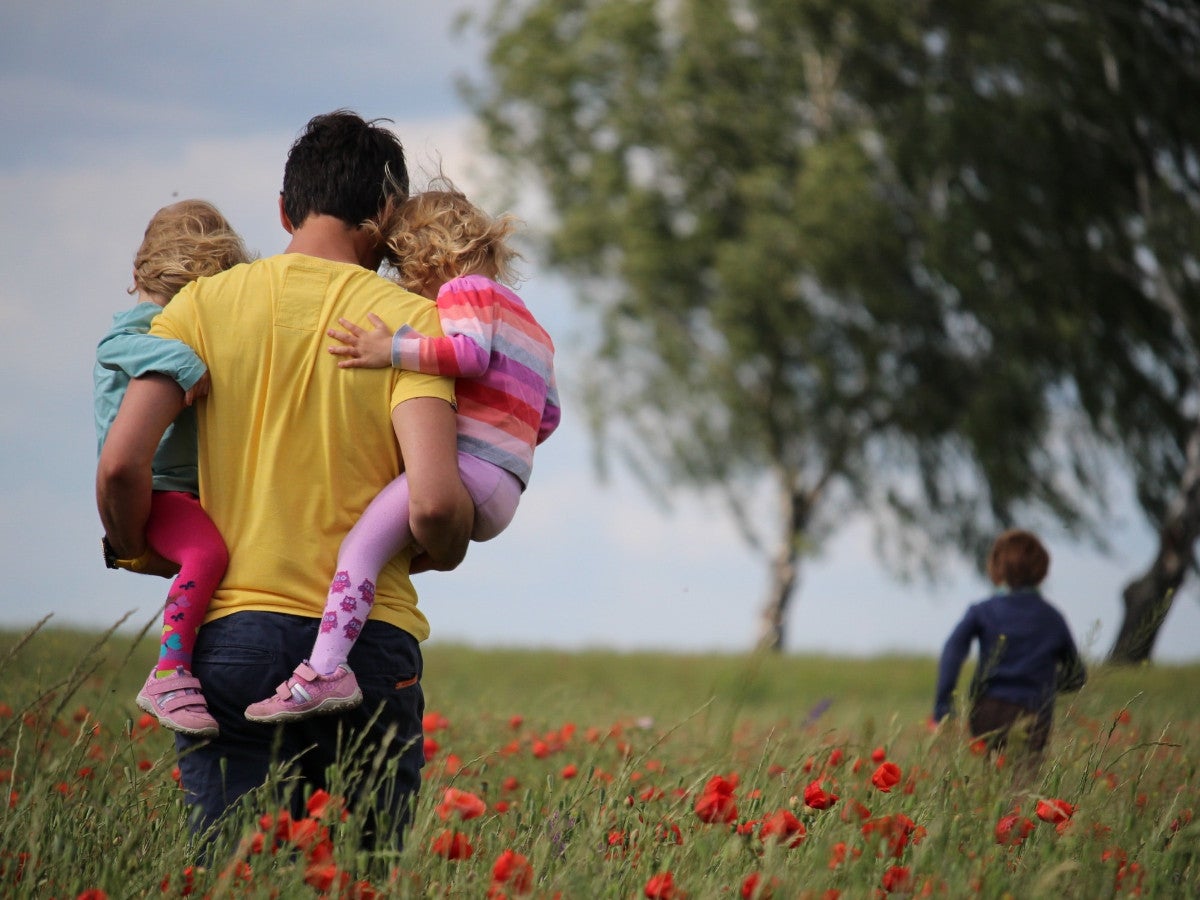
point(441, 514)
point(124, 479)
point(443, 533)
point(124, 506)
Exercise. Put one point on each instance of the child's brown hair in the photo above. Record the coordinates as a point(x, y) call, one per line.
point(438, 234)
point(1018, 559)
point(183, 242)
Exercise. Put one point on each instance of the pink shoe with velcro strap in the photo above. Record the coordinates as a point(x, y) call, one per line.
point(177, 703)
point(308, 693)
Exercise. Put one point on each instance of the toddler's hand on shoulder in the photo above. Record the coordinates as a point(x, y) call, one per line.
point(363, 348)
point(198, 390)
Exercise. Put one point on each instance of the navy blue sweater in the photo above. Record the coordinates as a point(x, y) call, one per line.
point(1026, 653)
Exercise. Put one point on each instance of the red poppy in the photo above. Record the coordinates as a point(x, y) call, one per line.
point(784, 827)
point(307, 833)
point(185, 889)
point(817, 797)
point(716, 802)
point(897, 878)
point(1012, 829)
point(854, 809)
point(322, 877)
point(434, 721)
point(513, 871)
point(570, 770)
point(464, 804)
point(661, 887)
point(1054, 811)
point(669, 832)
point(839, 853)
point(886, 777)
point(452, 845)
point(92, 894)
point(754, 888)
point(322, 802)
point(896, 830)
point(878, 755)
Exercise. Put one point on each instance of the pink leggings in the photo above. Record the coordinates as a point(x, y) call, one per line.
point(180, 530)
point(383, 531)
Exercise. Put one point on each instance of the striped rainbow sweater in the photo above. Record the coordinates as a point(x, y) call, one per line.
point(504, 362)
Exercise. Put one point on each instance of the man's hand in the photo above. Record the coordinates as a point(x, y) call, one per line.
point(363, 349)
point(149, 562)
point(160, 566)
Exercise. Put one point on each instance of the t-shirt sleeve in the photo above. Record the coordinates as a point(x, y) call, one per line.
point(177, 321)
point(138, 353)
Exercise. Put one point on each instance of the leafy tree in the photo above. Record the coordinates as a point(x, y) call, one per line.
point(896, 257)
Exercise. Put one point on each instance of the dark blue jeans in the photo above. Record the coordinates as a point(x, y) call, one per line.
point(242, 658)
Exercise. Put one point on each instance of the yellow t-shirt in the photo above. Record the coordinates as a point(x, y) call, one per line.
point(292, 448)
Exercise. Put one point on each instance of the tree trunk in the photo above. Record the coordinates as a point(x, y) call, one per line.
point(784, 570)
point(1148, 598)
point(784, 575)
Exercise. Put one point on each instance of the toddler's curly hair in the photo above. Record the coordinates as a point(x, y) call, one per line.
point(1018, 559)
point(438, 234)
point(183, 242)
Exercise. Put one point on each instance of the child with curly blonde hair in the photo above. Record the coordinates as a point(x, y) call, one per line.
point(444, 248)
point(184, 241)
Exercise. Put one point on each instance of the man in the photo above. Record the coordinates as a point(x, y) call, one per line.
point(291, 450)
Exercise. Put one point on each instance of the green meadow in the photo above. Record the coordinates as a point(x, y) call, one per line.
point(624, 775)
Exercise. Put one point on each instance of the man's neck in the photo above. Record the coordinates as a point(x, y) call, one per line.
point(328, 237)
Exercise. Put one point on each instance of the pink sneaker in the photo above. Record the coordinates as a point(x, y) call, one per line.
point(177, 703)
point(308, 693)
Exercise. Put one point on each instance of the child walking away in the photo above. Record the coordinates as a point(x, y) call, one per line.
point(183, 242)
point(1026, 653)
point(446, 249)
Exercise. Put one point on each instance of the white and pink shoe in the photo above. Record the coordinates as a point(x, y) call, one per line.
point(308, 693)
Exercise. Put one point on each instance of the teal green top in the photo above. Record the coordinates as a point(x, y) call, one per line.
point(128, 352)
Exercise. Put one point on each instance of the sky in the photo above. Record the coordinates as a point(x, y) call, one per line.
point(111, 110)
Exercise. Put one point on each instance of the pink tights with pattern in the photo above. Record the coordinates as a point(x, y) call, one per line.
point(381, 533)
point(180, 530)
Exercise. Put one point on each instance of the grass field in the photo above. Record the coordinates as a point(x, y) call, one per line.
point(586, 775)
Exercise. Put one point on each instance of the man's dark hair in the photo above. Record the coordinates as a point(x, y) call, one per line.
point(343, 166)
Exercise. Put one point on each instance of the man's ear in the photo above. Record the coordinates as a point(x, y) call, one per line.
point(283, 217)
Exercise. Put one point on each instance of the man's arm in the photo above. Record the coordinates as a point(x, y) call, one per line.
point(441, 514)
point(123, 475)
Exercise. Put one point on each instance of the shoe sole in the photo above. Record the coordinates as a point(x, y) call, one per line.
point(326, 707)
point(146, 705)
